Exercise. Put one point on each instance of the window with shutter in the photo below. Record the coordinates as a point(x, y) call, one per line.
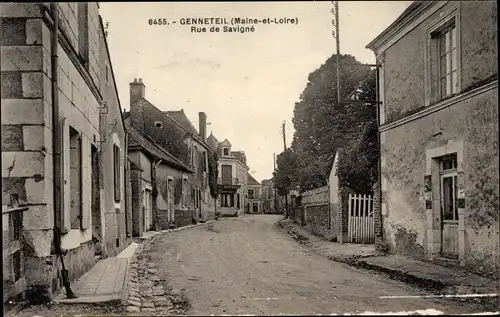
point(178, 191)
point(75, 178)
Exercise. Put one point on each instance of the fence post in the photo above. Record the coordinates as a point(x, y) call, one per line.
point(377, 217)
point(343, 216)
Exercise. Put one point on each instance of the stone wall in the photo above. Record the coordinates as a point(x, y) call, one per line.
point(183, 217)
point(318, 221)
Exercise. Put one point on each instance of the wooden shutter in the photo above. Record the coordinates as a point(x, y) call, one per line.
point(116, 172)
point(85, 212)
point(61, 164)
point(178, 191)
point(80, 180)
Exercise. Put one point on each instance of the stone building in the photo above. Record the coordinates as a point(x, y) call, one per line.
point(159, 189)
point(174, 133)
point(233, 177)
point(254, 196)
point(53, 142)
point(439, 133)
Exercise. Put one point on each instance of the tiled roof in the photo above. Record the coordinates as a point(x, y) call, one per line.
point(251, 180)
point(183, 120)
point(139, 140)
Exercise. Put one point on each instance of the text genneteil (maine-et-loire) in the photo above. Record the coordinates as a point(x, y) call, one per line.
point(212, 21)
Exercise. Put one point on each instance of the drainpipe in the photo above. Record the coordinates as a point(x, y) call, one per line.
point(126, 180)
point(155, 191)
point(379, 164)
point(57, 150)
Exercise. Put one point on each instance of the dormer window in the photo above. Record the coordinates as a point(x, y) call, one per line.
point(226, 151)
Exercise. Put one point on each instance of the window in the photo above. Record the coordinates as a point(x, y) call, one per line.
point(442, 57)
point(204, 161)
point(227, 200)
point(158, 124)
point(185, 191)
point(117, 174)
point(195, 158)
point(447, 48)
point(83, 32)
point(449, 190)
point(107, 74)
point(226, 151)
point(250, 193)
point(75, 179)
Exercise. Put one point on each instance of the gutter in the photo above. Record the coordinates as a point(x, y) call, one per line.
point(57, 150)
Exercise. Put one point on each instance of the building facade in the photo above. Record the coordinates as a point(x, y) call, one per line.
point(159, 185)
point(269, 198)
point(439, 133)
point(175, 134)
point(254, 196)
point(233, 177)
point(56, 80)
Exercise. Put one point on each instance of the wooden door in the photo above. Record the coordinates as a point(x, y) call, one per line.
point(170, 200)
point(147, 210)
point(449, 215)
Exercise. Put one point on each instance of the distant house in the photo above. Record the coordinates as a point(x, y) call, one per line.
point(254, 196)
point(175, 134)
point(233, 177)
point(439, 132)
point(269, 199)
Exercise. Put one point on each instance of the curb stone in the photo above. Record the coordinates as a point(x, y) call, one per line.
point(359, 262)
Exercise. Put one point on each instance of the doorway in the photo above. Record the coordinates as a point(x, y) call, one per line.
point(148, 209)
point(449, 207)
point(170, 200)
point(255, 208)
point(96, 200)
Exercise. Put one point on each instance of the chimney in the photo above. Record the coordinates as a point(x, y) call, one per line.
point(137, 91)
point(203, 125)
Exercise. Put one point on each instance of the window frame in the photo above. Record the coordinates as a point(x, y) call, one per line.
point(446, 53)
point(431, 56)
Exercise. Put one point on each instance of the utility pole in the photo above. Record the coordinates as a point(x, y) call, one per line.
point(284, 135)
point(274, 187)
point(284, 147)
point(335, 22)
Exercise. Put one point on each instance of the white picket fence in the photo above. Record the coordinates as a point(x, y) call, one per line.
point(361, 221)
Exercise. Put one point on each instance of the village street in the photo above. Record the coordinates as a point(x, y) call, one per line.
point(246, 265)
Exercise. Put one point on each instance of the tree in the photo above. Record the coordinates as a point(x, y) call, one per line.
point(321, 123)
point(357, 167)
point(213, 174)
point(286, 169)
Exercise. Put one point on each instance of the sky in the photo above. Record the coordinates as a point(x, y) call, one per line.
point(246, 83)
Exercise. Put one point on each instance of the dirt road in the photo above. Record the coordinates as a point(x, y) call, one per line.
point(246, 265)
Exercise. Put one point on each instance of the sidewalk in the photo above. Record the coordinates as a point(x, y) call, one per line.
point(105, 281)
point(422, 274)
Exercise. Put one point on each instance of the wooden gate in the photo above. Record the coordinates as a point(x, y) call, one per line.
point(14, 282)
point(361, 221)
